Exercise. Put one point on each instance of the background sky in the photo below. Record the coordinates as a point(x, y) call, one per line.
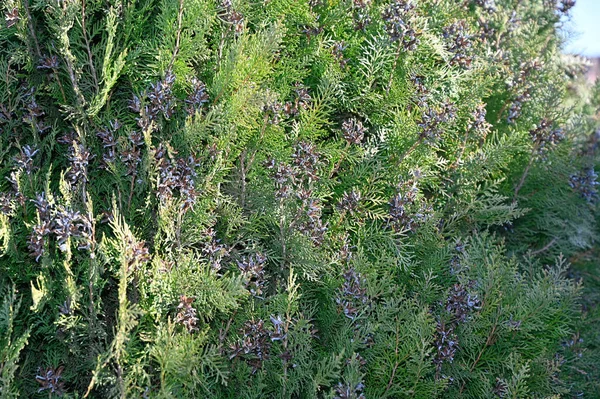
point(584, 28)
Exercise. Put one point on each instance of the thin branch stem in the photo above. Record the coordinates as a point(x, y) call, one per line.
point(282, 235)
point(223, 333)
point(396, 364)
point(70, 63)
point(87, 46)
point(245, 167)
point(488, 342)
point(178, 39)
point(410, 150)
point(545, 248)
point(463, 146)
point(243, 170)
point(131, 189)
point(525, 173)
point(389, 85)
point(339, 162)
point(31, 30)
point(62, 89)
point(506, 103)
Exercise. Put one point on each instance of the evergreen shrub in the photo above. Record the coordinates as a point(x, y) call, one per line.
point(293, 199)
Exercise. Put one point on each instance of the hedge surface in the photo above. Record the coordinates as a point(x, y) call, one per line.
point(296, 199)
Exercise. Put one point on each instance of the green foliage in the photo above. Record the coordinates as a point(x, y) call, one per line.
point(295, 199)
point(11, 342)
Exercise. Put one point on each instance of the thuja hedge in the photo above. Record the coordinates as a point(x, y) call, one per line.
point(292, 198)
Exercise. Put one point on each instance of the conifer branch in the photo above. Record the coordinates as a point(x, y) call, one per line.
point(523, 176)
point(396, 364)
point(64, 23)
point(410, 150)
point(38, 53)
point(88, 48)
point(463, 147)
point(244, 168)
point(396, 57)
point(545, 247)
point(178, 37)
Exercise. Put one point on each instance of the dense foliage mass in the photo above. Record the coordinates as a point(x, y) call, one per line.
point(295, 199)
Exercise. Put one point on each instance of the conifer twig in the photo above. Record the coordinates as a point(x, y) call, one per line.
point(87, 46)
point(501, 112)
point(282, 234)
point(178, 38)
point(31, 30)
point(389, 85)
point(223, 333)
point(523, 177)
point(410, 150)
point(131, 189)
point(488, 342)
point(396, 364)
point(545, 248)
point(221, 45)
point(463, 147)
point(69, 58)
point(339, 162)
point(62, 90)
point(244, 168)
